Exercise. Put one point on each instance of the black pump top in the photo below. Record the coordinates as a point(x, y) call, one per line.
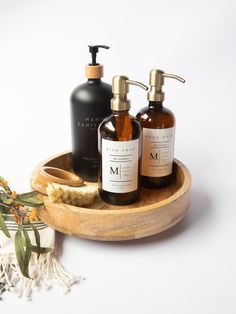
point(94, 50)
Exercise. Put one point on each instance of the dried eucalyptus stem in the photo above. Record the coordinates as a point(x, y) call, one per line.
point(17, 205)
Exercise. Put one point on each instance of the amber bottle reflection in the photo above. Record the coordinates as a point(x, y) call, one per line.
point(156, 116)
point(119, 127)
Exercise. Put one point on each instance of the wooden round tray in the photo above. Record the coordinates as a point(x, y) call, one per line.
point(154, 212)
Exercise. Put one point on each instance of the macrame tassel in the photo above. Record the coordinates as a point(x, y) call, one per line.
point(43, 271)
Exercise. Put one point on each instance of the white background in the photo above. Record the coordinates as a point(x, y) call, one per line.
point(43, 50)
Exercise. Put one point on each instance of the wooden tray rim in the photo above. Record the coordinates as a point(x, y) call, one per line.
point(183, 189)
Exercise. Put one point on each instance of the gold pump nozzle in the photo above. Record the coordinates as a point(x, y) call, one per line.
point(156, 81)
point(120, 89)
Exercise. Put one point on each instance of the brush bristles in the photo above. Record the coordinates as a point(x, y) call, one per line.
point(77, 196)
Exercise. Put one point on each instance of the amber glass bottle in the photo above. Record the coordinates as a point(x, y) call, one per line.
point(119, 149)
point(158, 130)
point(156, 117)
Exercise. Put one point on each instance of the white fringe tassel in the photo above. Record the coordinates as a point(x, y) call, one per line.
point(43, 271)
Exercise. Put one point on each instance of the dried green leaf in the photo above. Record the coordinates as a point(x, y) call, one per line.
point(27, 245)
point(3, 226)
point(4, 209)
point(6, 199)
point(23, 251)
point(42, 250)
point(37, 239)
point(31, 202)
point(27, 195)
point(20, 253)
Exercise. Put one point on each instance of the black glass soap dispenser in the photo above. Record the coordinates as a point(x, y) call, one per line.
point(90, 104)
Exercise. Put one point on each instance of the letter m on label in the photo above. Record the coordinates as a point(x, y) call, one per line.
point(114, 171)
point(154, 156)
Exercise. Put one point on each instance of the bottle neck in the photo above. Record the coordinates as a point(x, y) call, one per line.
point(120, 112)
point(156, 105)
point(94, 80)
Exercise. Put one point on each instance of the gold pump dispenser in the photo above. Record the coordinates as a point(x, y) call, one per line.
point(156, 81)
point(120, 89)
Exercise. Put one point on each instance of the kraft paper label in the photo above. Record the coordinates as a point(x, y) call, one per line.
point(120, 166)
point(157, 152)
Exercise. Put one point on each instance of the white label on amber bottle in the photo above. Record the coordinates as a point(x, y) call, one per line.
point(157, 152)
point(120, 166)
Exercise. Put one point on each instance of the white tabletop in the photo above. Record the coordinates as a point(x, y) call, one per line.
point(43, 50)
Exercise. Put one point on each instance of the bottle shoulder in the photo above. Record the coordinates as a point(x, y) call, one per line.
point(112, 126)
point(142, 111)
point(106, 86)
point(79, 88)
point(152, 117)
point(151, 111)
point(111, 120)
point(80, 92)
point(106, 121)
point(92, 92)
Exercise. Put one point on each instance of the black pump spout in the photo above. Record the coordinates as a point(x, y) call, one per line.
point(94, 50)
